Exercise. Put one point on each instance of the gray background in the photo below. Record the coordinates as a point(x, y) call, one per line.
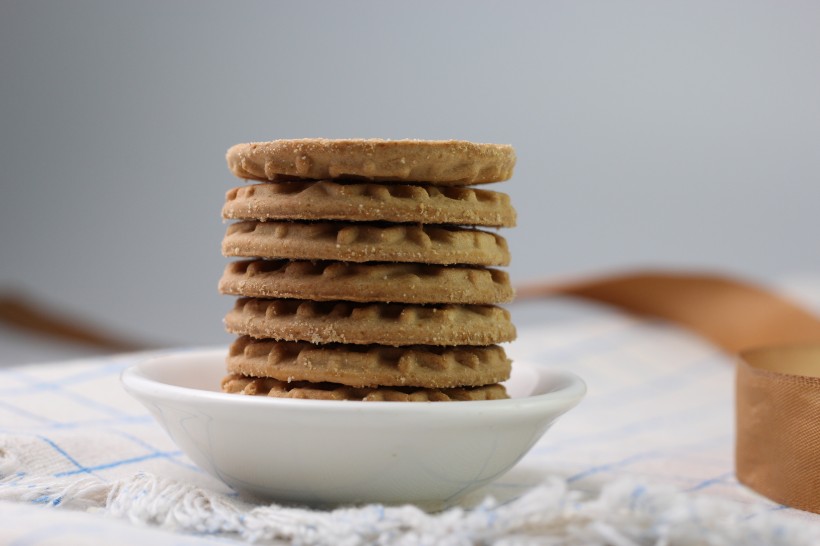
point(672, 134)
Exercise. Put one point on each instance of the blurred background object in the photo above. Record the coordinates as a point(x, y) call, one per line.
point(666, 134)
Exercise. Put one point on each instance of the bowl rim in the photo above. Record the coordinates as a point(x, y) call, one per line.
point(137, 380)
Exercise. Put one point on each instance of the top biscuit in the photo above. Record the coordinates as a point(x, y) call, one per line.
point(440, 162)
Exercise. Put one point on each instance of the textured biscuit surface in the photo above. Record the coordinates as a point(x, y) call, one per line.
point(262, 386)
point(402, 283)
point(369, 365)
point(370, 323)
point(352, 242)
point(443, 162)
point(329, 200)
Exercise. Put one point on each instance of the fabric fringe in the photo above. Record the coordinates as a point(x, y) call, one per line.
point(622, 513)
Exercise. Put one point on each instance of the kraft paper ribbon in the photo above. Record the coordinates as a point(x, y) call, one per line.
point(777, 449)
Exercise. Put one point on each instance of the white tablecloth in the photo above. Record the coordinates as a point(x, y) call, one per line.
point(647, 456)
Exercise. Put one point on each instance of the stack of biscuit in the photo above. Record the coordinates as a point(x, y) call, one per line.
point(363, 276)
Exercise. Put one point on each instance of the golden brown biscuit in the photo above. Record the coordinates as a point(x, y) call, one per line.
point(401, 283)
point(264, 386)
point(329, 200)
point(443, 162)
point(370, 323)
point(352, 242)
point(369, 365)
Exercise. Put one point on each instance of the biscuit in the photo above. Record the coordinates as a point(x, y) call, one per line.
point(263, 386)
point(351, 242)
point(401, 283)
point(329, 200)
point(370, 323)
point(443, 162)
point(369, 365)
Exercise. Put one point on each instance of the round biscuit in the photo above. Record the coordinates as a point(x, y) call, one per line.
point(370, 323)
point(442, 162)
point(369, 365)
point(366, 282)
point(352, 242)
point(264, 386)
point(330, 200)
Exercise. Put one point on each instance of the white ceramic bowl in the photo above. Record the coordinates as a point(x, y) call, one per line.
point(323, 453)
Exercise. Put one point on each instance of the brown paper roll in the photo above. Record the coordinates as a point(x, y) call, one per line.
point(778, 373)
